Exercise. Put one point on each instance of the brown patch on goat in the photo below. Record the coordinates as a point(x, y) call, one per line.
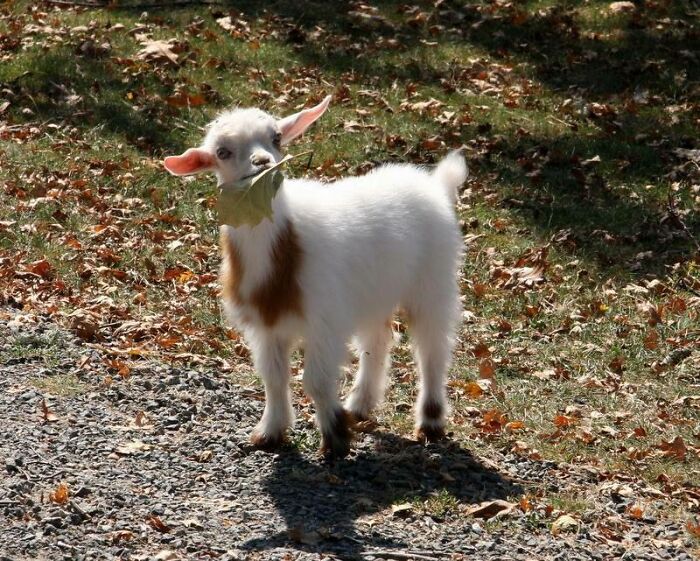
point(335, 442)
point(231, 268)
point(280, 293)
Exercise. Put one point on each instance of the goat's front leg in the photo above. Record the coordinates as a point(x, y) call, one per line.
point(271, 359)
point(321, 376)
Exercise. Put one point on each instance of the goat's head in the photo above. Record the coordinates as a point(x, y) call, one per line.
point(243, 142)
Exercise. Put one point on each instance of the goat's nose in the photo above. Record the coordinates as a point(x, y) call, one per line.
point(260, 159)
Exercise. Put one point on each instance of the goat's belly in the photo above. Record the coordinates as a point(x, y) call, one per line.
point(245, 317)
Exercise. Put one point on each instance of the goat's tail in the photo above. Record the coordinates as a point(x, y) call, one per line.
point(451, 172)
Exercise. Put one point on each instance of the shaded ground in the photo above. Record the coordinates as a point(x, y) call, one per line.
point(159, 465)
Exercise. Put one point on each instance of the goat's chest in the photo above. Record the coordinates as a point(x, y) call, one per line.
point(260, 274)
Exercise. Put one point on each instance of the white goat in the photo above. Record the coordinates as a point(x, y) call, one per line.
point(335, 262)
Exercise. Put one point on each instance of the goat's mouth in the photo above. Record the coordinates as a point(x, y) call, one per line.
point(256, 172)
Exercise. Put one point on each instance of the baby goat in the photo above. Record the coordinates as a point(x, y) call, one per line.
point(335, 262)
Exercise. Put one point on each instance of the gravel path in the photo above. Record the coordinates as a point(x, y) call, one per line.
point(158, 466)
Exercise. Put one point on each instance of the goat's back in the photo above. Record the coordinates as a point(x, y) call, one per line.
point(374, 242)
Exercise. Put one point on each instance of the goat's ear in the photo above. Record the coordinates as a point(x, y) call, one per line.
point(194, 160)
point(296, 124)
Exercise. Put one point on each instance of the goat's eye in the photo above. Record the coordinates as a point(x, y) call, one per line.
point(277, 139)
point(223, 153)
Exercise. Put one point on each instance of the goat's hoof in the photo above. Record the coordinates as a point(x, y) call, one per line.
point(427, 433)
point(267, 442)
point(335, 443)
point(335, 449)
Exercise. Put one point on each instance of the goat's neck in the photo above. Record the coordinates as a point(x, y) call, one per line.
point(255, 243)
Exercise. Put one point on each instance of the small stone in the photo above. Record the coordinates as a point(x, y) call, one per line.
point(209, 384)
point(55, 521)
point(565, 523)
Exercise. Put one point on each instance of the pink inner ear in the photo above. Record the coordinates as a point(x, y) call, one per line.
point(193, 160)
point(296, 124)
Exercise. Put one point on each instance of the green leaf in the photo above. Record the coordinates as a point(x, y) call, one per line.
point(249, 201)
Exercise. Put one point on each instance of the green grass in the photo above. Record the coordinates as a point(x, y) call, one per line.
point(440, 504)
point(44, 348)
point(537, 92)
point(570, 503)
point(63, 385)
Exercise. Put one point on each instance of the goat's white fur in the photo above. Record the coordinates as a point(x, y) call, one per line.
point(370, 244)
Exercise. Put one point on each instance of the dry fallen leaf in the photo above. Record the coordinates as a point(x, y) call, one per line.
point(403, 509)
point(480, 350)
point(525, 504)
point(486, 369)
point(166, 555)
point(651, 340)
point(157, 50)
point(47, 414)
point(119, 366)
point(40, 268)
point(141, 419)
point(636, 511)
point(470, 388)
point(564, 421)
point(492, 421)
point(546, 374)
point(204, 456)
point(132, 448)
point(122, 536)
point(514, 425)
point(528, 272)
point(639, 432)
point(621, 7)
point(184, 99)
point(473, 389)
point(490, 509)
point(431, 106)
point(60, 494)
point(157, 524)
point(675, 448)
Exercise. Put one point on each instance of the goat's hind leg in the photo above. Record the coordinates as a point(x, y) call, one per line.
point(432, 344)
point(271, 358)
point(370, 384)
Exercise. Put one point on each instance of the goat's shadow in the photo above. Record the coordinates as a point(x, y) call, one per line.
point(320, 503)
